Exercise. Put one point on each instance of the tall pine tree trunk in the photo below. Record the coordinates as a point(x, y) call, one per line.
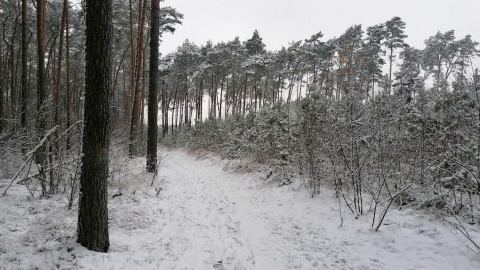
point(41, 156)
point(390, 71)
point(56, 91)
point(164, 110)
point(221, 98)
point(1, 79)
point(13, 74)
point(132, 62)
point(24, 66)
point(68, 96)
point(93, 210)
point(153, 88)
point(137, 104)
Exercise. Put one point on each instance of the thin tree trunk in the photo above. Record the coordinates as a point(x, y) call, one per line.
point(24, 66)
point(132, 61)
point(390, 71)
point(137, 93)
point(41, 158)
point(187, 120)
point(116, 105)
point(56, 92)
point(175, 103)
point(13, 73)
point(245, 94)
point(227, 100)
point(120, 65)
point(234, 99)
point(221, 99)
point(68, 103)
point(164, 110)
point(1, 79)
point(142, 92)
point(199, 102)
point(125, 98)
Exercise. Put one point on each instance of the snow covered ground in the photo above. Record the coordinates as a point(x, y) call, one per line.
point(209, 218)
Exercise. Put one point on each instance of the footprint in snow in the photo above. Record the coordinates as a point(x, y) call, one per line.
point(218, 265)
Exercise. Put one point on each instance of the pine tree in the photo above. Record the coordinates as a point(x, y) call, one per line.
point(372, 53)
point(93, 210)
point(408, 77)
point(153, 88)
point(394, 38)
point(255, 44)
point(24, 65)
point(41, 155)
point(1, 79)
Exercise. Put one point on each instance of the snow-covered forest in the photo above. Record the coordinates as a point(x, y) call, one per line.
point(354, 152)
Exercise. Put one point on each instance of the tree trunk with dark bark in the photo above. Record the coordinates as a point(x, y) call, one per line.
point(153, 88)
point(41, 156)
point(58, 73)
point(137, 103)
point(13, 74)
point(93, 210)
point(68, 93)
point(24, 66)
point(2, 89)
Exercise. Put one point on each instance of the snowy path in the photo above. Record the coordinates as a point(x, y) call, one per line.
point(207, 218)
point(230, 218)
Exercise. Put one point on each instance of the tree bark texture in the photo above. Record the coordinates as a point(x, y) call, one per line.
point(41, 156)
point(24, 65)
point(68, 93)
point(58, 71)
point(93, 211)
point(153, 88)
point(2, 89)
point(136, 107)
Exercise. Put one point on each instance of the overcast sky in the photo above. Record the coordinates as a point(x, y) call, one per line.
point(282, 21)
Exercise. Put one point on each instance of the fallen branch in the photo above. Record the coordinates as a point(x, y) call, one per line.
point(42, 141)
point(392, 198)
point(29, 160)
point(30, 156)
point(67, 131)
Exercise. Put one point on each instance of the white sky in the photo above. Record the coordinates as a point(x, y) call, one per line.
point(282, 21)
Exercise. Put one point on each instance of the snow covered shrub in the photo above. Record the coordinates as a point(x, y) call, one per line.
point(456, 171)
point(207, 135)
point(180, 138)
point(238, 135)
point(435, 202)
point(264, 137)
point(351, 144)
point(272, 139)
point(358, 148)
point(314, 143)
point(393, 165)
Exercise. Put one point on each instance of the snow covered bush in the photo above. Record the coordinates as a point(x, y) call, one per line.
point(314, 143)
point(274, 142)
point(207, 135)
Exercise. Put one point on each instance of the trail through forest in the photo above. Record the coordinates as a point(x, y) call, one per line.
point(208, 217)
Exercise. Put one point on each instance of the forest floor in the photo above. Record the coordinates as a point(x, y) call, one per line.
point(208, 217)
